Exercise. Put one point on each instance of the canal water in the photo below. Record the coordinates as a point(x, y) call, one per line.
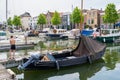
point(107, 68)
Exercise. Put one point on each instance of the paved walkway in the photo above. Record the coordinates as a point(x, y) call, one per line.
point(4, 74)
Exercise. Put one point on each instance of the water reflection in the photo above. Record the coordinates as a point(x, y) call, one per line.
point(56, 45)
point(111, 56)
point(73, 76)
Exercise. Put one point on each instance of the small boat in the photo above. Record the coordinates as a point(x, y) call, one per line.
point(87, 32)
point(88, 50)
point(54, 34)
point(108, 35)
point(73, 34)
point(3, 35)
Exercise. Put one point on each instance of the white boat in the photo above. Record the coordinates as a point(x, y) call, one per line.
point(73, 34)
point(56, 34)
point(3, 35)
point(108, 35)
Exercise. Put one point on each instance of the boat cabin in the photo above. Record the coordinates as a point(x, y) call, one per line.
point(109, 31)
point(3, 35)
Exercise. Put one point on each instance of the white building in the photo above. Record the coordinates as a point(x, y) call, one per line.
point(33, 22)
point(25, 20)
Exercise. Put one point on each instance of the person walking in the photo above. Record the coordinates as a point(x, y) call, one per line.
point(12, 47)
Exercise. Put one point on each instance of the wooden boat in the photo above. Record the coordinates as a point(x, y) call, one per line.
point(88, 50)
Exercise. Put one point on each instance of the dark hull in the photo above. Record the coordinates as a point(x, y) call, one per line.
point(107, 39)
point(64, 60)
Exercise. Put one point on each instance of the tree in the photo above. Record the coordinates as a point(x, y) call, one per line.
point(111, 15)
point(9, 21)
point(77, 17)
point(41, 20)
point(56, 18)
point(17, 21)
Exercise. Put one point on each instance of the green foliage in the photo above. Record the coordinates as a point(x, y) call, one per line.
point(86, 26)
point(56, 18)
point(9, 21)
point(119, 16)
point(41, 44)
point(76, 15)
point(17, 21)
point(104, 19)
point(71, 18)
point(41, 19)
point(111, 15)
point(82, 17)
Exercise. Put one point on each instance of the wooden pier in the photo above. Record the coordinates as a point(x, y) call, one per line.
point(18, 47)
point(8, 74)
point(9, 63)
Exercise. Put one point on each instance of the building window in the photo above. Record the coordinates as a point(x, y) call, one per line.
point(93, 14)
point(88, 21)
point(92, 21)
point(89, 14)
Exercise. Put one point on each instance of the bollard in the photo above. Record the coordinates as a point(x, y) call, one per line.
point(11, 73)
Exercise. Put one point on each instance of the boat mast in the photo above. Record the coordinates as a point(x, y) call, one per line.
point(81, 23)
point(6, 12)
point(81, 5)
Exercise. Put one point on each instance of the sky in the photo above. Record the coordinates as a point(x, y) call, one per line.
point(35, 7)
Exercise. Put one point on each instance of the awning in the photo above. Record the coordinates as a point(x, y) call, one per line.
point(118, 24)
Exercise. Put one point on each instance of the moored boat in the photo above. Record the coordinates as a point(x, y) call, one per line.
point(88, 50)
point(3, 35)
point(108, 35)
point(54, 34)
point(87, 32)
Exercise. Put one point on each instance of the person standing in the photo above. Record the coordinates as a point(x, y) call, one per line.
point(25, 35)
point(12, 47)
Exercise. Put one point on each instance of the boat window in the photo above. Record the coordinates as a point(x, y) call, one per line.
point(105, 32)
point(113, 31)
point(2, 34)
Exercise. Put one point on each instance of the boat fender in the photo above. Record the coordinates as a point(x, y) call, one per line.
point(89, 59)
point(113, 39)
point(104, 40)
point(94, 35)
point(57, 65)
